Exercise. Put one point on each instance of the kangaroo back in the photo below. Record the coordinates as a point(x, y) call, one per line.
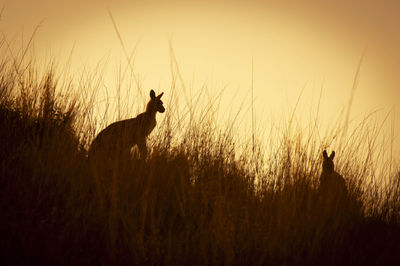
point(117, 139)
point(110, 152)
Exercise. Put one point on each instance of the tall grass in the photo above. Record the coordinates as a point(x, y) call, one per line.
point(196, 200)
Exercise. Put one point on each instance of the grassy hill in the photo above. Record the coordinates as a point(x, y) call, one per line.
point(194, 201)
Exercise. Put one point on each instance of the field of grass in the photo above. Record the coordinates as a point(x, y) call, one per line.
point(196, 200)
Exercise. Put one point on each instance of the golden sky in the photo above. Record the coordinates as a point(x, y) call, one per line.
point(294, 45)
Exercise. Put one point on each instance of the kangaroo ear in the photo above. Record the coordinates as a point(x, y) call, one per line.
point(152, 94)
point(325, 154)
point(161, 94)
point(332, 155)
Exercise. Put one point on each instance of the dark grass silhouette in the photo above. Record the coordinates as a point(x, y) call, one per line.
point(194, 202)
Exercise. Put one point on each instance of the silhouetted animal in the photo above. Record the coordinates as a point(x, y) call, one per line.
point(330, 181)
point(117, 140)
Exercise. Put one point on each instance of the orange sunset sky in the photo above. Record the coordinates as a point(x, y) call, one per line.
point(295, 45)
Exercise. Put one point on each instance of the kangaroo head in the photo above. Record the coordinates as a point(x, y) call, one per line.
point(155, 104)
point(327, 165)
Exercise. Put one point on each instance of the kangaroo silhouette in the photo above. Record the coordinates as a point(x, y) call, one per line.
point(117, 140)
point(331, 182)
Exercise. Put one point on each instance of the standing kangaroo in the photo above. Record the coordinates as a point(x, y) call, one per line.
point(331, 182)
point(116, 140)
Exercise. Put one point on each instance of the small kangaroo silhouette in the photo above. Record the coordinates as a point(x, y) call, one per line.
point(330, 180)
point(118, 138)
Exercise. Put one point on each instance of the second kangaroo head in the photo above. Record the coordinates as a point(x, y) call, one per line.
point(155, 104)
point(328, 164)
